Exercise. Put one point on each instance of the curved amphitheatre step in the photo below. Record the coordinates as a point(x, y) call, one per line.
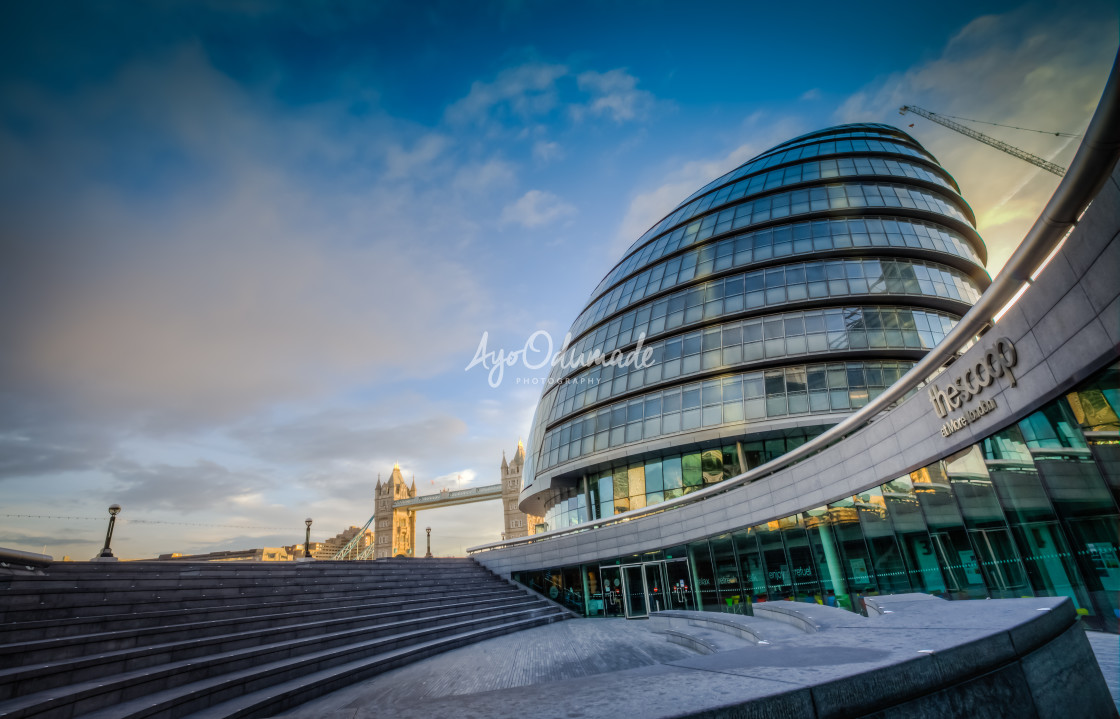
point(192, 599)
point(699, 630)
point(22, 602)
point(251, 648)
point(21, 653)
point(51, 674)
point(71, 627)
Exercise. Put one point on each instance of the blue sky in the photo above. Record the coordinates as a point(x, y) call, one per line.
point(251, 247)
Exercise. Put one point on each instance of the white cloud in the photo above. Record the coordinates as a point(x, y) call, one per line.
point(249, 281)
point(545, 151)
point(480, 177)
point(536, 208)
point(649, 206)
point(615, 94)
point(522, 91)
point(400, 162)
point(1038, 70)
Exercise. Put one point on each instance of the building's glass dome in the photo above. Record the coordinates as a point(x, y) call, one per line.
point(773, 302)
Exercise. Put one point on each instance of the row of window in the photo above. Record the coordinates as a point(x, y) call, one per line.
point(640, 484)
point(772, 287)
point(814, 199)
point(876, 132)
point(804, 152)
point(790, 334)
point(800, 238)
point(816, 170)
point(1030, 510)
point(747, 397)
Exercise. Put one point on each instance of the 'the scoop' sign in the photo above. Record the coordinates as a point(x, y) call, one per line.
point(997, 361)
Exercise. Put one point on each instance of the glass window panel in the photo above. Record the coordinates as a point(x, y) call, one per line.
point(672, 476)
point(692, 475)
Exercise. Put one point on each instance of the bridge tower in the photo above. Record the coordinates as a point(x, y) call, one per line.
point(517, 523)
point(394, 530)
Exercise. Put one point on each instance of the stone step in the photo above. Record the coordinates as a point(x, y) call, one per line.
point(61, 590)
point(21, 653)
point(94, 603)
point(69, 626)
point(269, 569)
point(269, 700)
point(173, 645)
point(33, 678)
point(52, 576)
point(193, 684)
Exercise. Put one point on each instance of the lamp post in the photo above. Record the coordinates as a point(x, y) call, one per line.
point(307, 540)
point(113, 511)
point(429, 531)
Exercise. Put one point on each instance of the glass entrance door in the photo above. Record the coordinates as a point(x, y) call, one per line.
point(655, 586)
point(678, 595)
point(634, 591)
point(612, 591)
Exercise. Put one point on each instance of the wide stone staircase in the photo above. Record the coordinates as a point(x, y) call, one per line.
point(169, 639)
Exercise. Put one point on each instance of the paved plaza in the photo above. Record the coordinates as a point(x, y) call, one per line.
point(564, 651)
point(1107, 649)
point(492, 678)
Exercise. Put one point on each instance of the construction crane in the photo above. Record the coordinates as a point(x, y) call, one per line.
point(1009, 149)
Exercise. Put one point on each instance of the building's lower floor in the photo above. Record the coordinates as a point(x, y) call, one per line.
point(1030, 510)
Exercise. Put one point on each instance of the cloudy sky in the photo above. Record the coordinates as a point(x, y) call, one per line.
point(249, 247)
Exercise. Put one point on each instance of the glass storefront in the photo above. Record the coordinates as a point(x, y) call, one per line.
point(642, 483)
point(1030, 510)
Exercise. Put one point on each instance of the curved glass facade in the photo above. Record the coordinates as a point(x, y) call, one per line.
point(764, 308)
point(746, 398)
point(1029, 510)
point(793, 240)
point(729, 344)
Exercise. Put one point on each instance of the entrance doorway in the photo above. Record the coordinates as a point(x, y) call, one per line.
point(654, 586)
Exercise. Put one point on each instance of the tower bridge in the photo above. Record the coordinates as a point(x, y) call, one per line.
point(396, 504)
point(445, 498)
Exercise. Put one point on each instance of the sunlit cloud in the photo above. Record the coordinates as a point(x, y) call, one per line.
point(614, 94)
point(1042, 71)
point(536, 208)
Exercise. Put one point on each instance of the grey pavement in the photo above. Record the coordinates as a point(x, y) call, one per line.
point(565, 650)
point(1107, 649)
point(596, 658)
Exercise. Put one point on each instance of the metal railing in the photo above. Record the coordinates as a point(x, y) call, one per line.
point(350, 551)
point(20, 558)
point(1087, 174)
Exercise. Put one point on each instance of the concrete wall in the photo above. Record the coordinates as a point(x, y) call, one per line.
point(1064, 328)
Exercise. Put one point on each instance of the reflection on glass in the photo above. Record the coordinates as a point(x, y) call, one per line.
point(1026, 511)
point(635, 592)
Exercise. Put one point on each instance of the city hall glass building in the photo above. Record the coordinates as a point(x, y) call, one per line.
point(775, 302)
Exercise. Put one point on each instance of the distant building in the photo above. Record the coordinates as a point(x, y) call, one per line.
point(517, 523)
point(264, 554)
point(394, 529)
point(329, 548)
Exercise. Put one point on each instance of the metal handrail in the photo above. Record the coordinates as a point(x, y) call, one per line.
point(24, 559)
point(1087, 174)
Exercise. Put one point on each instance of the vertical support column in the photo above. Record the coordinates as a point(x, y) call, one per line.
point(835, 567)
point(742, 457)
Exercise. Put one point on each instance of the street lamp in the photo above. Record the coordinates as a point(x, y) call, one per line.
point(429, 531)
point(107, 553)
point(307, 540)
